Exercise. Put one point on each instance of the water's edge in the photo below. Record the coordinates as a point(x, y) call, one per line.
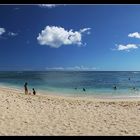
point(45, 92)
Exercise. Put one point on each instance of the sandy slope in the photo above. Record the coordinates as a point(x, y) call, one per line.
point(53, 115)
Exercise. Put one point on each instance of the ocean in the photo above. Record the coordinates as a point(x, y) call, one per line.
point(71, 83)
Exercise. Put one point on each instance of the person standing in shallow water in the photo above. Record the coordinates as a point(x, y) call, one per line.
point(26, 89)
point(34, 92)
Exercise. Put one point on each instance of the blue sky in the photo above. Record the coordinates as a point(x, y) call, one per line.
point(70, 37)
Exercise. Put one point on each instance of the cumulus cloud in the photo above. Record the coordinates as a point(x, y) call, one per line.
point(47, 5)
point(55, 37)
point(135, 35)
point(2, 31)
point(127, 47)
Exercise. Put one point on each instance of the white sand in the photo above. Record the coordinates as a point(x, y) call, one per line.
point(55, 115)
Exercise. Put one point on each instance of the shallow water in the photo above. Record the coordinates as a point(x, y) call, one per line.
point(97, 83)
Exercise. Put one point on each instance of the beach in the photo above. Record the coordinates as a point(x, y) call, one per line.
point(52, 115)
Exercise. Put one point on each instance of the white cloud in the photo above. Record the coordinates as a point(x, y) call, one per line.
point(75, 68)
point(55, 37)
point(12, 34)
point(7, 33)
point(47, 5)
point(84, 30)
point(127, 47)
point(2, 31)
point(135, 35)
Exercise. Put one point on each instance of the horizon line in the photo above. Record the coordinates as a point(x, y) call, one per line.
point(71, 70)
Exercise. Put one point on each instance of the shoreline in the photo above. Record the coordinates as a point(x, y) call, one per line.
point(58, 115)
point(43, 93)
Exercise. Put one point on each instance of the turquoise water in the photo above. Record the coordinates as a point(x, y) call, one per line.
point(96, 83)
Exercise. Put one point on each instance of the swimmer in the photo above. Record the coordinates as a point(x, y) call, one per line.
point(115, 87)
point(84, 89)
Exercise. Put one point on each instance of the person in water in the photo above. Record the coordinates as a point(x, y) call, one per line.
point(84, 89)
point(134, 88)
point(114, 87)
point(26, 89)
point(34, 92)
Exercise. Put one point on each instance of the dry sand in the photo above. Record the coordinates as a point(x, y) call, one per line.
point(55, 115)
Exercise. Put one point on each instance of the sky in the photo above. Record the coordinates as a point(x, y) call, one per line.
point(70, 37)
